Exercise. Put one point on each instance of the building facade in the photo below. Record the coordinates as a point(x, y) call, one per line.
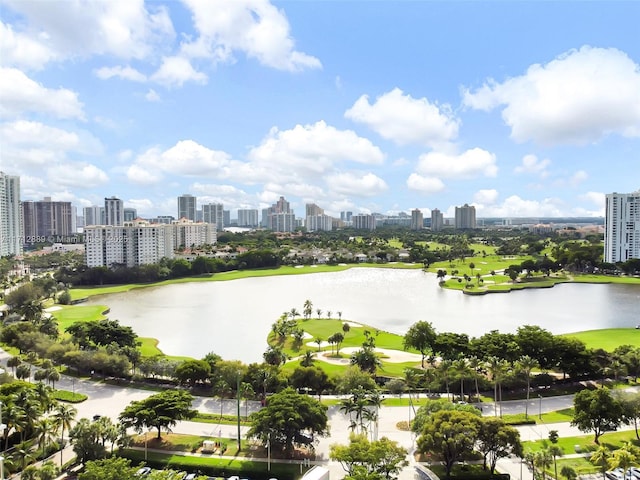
point(43, 220)
point(11, 231)
point(113, 212)
point(187, 206)
point(213, 213)
point(93, 215)
point(437, 220)
point(130, 214)
point(247, 217)
point(363, 222)
point(141, 243)
point(316, 220)
point(622, 227)
point(465, 217)
point(280, 217)
point(417, 219)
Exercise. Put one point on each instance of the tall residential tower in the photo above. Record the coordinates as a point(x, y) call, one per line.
point(622, 227)
point(11, 232)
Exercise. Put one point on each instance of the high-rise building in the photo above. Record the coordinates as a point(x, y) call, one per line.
point(187, 206)
point(622, 227)
point(346, 216)
point(465, 217)
point(417, 219)
point(43, 220)
point(93, 215)
point(130, 214)
point(226, 218)
point(213, 213)
point(437, 220)
point(140, 242)
point(280, 217)
point(363, 221)
point(113, 211)
point(11, 232)
point(248, 217)
point(316, 220)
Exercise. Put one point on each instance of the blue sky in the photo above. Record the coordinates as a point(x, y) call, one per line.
point(520, 108)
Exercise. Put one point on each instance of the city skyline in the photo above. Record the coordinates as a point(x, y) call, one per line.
point(523, 109)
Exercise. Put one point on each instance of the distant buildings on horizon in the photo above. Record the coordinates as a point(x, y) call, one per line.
point(23, 223)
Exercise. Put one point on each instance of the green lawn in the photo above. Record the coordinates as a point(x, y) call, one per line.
point(70, 314)
point(611, 440)
point(609, 338)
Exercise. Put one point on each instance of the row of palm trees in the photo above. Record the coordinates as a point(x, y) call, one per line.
point(494, 369)
point(31, 414)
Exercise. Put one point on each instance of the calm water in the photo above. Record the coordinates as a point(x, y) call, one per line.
point(233, 318)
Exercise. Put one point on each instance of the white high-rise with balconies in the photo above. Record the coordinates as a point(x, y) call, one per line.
point(113, 211)
point(622, 227)
point(11, 231)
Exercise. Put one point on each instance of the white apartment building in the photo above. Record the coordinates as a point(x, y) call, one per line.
point(316, 220)
point(465, 217)
point(363, 221)
point(248, 217)
point(113, 211)
point(213, 213)
point(437, 220)
point(141, 243)
point(417, 219)
point(11, 231)
point(622, 227)
point(93, 215)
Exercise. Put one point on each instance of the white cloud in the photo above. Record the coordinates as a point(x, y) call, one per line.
point(142, 205)
point(426, 185)
point(176, 71)
point(531, 165)
point(406, 120)
point(595, 198)
point(358, 185)
point(152, 96)
point(59, 30)
point(578, 177)
point(579, 97)
point(186, 158)
point(19, 94)
point(125, 73)
point(469, 164)
point(21, 50)
point(254, 27)
point(312, 150)
point(77, 175)
point(514, 206)
point(486, 197)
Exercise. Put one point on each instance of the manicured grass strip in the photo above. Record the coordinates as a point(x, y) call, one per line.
point(611, 440)
point(67, 315)
point(213, 418)
point(149, 347)
point(217, 466)
point(70, 397)
point(608, 339)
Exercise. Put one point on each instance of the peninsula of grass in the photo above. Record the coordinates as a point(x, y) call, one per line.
point(67, 315)
point(585, 443)
point(607, 339)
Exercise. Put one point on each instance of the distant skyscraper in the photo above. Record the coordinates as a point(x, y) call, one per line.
point(226, 218)
point(346, 216)
point(187, 207)
point(316, 220)
point(622, 227)
point(45, 219)
point(130, 214)
point(93, 215)
point(437, 220)
point(113, 211)
point(213, 213)
point(465, 217)
point(280, 217)
point(248, 217)
point(417, 220)
point(11, 232)
point(364, 222)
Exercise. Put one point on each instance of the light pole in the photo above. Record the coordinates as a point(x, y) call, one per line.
point(540, 406)
point(1, 468)
point(238, 408)
point(269, 451)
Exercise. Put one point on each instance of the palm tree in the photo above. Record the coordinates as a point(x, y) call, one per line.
point(601, 458)
point(53, 376)
point(319, 313)
point(542, 459)
point(461, 369)
point(475, 364)
point(444, 372)
point(568, 472)
point(346, 327)
point(525, 365)
point(13, 362)
point(339, 315)
point(624, 457)
point(48, 471)
point(63, 416)
point(497, 368)
point(307, 309)
point(45, 429)
point(329, 314)
point(555, 451)
point(22, 454)
point(318, 341)
point(307, 359)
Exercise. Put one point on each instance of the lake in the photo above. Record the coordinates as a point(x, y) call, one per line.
point(232, 318)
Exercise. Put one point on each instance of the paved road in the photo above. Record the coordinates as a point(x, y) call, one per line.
point(110, 400)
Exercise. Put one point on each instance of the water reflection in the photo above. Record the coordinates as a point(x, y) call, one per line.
point(233, 318)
